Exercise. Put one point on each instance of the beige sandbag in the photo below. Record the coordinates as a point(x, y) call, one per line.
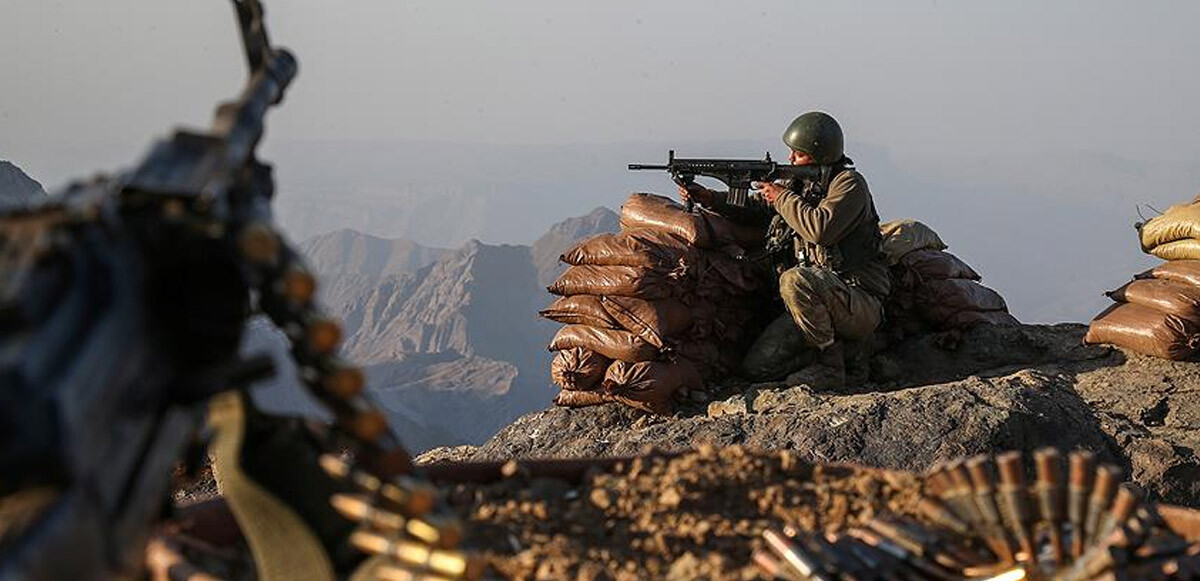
point(624, 281)
point(937, 264)
point(1179, 222)
point(642, 248)
point(578, 399)
point(938, 300)
point(907, 235)
point(1181, 300)
point(580, 310)
point(701, 228)
point(1187, 249)
point(1181, 271)
point(653, 321)
point(578, 369)
point(613, 344)
point(650, 385)
point(1144, 330)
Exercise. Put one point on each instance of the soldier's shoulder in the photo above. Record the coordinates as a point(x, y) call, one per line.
point(848, 179)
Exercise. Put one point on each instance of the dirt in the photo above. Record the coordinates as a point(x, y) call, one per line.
point(696, 516)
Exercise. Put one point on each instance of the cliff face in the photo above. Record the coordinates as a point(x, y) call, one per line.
point(16, 187)
point(448, 336)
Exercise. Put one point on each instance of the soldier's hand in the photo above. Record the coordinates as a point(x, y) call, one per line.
point(696, 193)
point(770, 191)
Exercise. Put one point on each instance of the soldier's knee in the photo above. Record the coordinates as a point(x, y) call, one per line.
point(797, 282)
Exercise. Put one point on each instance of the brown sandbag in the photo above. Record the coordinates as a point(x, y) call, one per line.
point(938, 265)
point(610, 343)
point(938, 300)
point(1181, 300)
point(624, 281)
point(720, 274)
point(650, 385)
point(642, 248)
point(578, 369)
point(653, 321)
point(907, 235)
point(579, 399)
point(1186, 249)
point(1144, 330)
point(580, 310)
point(701, 228)
point(1181, 271)
point(968, 319)
point(1179, 222)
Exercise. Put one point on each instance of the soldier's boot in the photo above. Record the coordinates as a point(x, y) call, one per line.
point(858, 362)
point(827, 372)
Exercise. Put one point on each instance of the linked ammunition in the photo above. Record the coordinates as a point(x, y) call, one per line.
point(297, 285)
point(943, 516)
point(412, 497)
point(1051, 499)
point(921, 565)
point(794, 557)
point(1081, 477)
point(1127, 500)
point(393, 573)
point(1103, 491)
point(1016, 500)
point(984, 483)
point(344, 381)
point(259, 243)
point(439, 532)
point(452, 564)
point(322, 335)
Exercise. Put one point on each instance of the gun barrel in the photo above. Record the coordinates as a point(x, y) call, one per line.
point(641, 166)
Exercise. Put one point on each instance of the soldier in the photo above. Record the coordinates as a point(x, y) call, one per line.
point(823, 241)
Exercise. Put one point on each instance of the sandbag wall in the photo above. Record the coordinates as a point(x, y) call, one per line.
point(933, 290)
point(653, 311)
point(1158, 313)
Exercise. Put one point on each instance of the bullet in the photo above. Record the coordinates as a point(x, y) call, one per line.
point(297, 285)
point(412, 497)
point(983, 481)
point(322, 335)
point(794, 557)
point(1012, 488)
point(1126, 501)
point(1081, 478)
point(259, 244)
point(940, 514)
point(439, 532)
point(1051, 499)
point(453, 564)
point(1103, 491)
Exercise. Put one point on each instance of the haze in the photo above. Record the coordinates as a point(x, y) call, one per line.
point(1024, 131)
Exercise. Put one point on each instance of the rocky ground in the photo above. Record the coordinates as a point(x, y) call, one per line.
point(697, 516)
point(937, 398)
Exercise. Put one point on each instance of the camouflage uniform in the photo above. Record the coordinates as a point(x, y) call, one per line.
point(824, 243)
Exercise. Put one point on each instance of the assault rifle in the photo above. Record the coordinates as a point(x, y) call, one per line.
point(122, 302)
point(738, 174)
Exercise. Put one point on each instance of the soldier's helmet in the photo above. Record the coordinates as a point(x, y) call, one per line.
point(817, 134)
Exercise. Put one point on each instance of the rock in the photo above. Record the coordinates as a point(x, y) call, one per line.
point(1000, 388)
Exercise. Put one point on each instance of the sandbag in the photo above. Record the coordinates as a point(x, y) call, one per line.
point(578, 399)
point(580, 310)
point(907, 235)
point(702, 228)
point(613, 344)
point(650, 385)
point(623, 281)
point(937, 265)
point(1144, 330)
point(1181, 300)
point(642, 248)
point(721, 275)
point(578, 369)
point(1179, 222)
point(968, 319)
point(1187, 249)
point(938, 300)
point(653, 321)
point(1181, 271)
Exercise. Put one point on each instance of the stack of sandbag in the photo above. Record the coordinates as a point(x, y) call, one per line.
point(933, 290)
point(654, 310)
point(1157, 314)
point(1175, 235)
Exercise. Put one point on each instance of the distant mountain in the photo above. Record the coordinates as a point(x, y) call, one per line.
point(16, 187)
point(450, 338)
point(546, 250)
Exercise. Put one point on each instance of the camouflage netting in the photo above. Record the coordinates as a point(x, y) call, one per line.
point(655, 310)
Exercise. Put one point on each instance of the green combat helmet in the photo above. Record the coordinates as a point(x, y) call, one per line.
point(817, 134)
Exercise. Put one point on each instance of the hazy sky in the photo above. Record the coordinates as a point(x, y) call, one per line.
point(969, 77)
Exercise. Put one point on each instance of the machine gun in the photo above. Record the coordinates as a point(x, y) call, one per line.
point(122, 302)
point(738, 174)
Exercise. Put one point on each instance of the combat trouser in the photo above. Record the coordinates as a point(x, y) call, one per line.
point(821, 308)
